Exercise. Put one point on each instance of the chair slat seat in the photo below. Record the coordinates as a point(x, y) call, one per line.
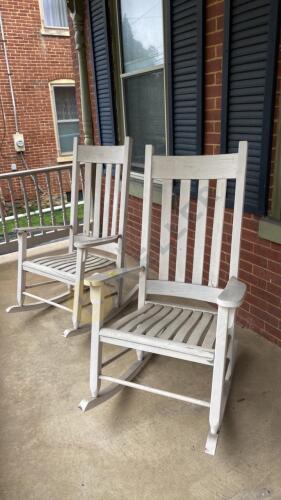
point(167, 325)
point(65, 265)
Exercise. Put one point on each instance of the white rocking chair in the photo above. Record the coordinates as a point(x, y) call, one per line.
point(202, 333)
point(101, 244)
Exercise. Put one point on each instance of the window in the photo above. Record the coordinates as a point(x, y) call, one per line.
point(65, 116)
point(54, 17)
point(270, 227)
point(148, 68)
point(142, 74)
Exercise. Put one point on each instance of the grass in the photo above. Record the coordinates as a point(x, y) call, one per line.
point(47, 220)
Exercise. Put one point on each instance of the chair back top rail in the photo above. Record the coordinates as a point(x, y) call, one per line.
point(100, 154)
point(195, 167)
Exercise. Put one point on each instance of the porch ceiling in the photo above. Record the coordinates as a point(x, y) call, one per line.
point(137, 445)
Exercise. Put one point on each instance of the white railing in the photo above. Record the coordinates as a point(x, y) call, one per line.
point(34, 197)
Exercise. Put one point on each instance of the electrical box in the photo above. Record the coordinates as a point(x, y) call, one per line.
point(19, 142)
point(13, 166)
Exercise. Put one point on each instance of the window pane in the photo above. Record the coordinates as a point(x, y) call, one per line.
point(142, 34)
point(67, 132)
point(144, 104)
point(65, 103)
point(55, 13)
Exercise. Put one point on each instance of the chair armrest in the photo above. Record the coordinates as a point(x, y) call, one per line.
point(82, 241)
point(33, 229)
point(233, 294)
point(99, 279)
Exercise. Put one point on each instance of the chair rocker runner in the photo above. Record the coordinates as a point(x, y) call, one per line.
point(102, 243)
point(169, 325)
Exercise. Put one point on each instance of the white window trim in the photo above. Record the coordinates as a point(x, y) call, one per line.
point(50, 30)
point(61, 157)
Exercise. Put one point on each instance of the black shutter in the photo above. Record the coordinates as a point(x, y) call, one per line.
point(250, 50)
point(102, 68)
point(186, 76)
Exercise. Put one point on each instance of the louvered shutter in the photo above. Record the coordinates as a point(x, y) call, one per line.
point(102, 68)
point(186, 77)
point(250, 46)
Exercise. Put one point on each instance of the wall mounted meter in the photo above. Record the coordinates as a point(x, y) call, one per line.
point(19, 142)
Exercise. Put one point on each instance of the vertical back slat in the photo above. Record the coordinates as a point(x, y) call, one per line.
point(217, 232)
point(74, 194)
point(38, 199)
point(106, 205)
point(115, 199)
point(62, 197)
point(200, 232)
point(87, 198)
point(48, 180)
point(146, 223)
point(166, 212)
point(27, 211)
point(97, 201)
point(124, 185)
point(15, 213)
point(124, 198)
point(238, 209)
point(182, 230)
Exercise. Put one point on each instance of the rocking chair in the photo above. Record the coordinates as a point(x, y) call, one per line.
point(102, 242)
point(201, 333)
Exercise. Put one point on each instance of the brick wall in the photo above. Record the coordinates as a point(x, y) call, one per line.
point(35, 60)
point(260, 263)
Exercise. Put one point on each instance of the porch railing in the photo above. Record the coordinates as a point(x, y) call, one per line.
point(35, 197)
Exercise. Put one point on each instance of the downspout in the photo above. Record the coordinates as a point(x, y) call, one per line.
point(76, 8)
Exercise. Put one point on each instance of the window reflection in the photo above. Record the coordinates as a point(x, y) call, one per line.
point(142, 34)
point(144, 95)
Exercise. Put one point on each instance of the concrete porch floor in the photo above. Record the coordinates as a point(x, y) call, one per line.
point(137, 445)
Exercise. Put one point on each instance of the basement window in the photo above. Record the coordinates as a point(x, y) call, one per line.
point(65, 116)
point(54, 20)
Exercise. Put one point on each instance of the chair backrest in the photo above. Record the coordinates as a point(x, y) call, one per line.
point(105, 181)
point(195, 235)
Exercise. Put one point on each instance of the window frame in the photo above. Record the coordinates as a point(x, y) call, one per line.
point(276, 193)
point(61, 157)
point(122, 76)
point(270, 227)
point(51, 30)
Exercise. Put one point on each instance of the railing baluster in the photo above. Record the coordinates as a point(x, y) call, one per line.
point(53, 219)
point(10, 184)
point(62, 198)
point(27, 211)
point(2, 214)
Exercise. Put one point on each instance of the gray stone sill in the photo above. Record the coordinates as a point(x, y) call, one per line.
point(136, 188)
point(270, 229)
point(55, 31)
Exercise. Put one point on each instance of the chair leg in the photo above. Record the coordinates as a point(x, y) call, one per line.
point(95, 364)
point(21, 273)
point(21, 279)
point(78, 288)
point(218, 401)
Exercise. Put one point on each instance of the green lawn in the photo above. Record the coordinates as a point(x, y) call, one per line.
point(47, 220)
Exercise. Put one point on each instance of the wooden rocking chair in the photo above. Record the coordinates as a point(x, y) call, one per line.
point(102, 242)
point(202, 333)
